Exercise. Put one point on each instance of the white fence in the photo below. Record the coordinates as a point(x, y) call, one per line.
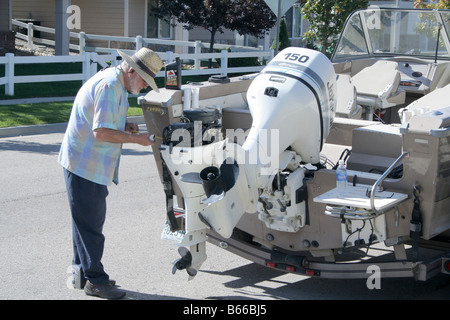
point(81, 41)
point(10, 61)
point(90, 60)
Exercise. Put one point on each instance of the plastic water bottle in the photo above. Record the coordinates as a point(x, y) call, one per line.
point(341, 177)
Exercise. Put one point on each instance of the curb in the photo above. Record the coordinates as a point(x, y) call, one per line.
point(32, 130)
point(34, 100)
point(47, 128)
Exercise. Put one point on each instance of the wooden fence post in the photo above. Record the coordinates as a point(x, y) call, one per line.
point(9, 73)
point(197, 52)
point(170, 57)
point(116, 59)
point(30, 35)
point(82, 42)
point(86, 66)
point(272, 54)
point(139, 42)
point(93, 64)
point(224, 63)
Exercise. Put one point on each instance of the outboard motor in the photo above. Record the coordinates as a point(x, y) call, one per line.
point(292, 103)
point(295, 95)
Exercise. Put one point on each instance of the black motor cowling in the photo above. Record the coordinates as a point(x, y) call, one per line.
point(197, 127)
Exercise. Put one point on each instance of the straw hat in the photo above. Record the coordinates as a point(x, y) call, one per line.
point(147, 64)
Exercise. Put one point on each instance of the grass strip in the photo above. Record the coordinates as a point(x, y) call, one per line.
point(45, 113)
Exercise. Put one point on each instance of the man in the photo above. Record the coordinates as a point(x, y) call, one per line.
point(90, 154)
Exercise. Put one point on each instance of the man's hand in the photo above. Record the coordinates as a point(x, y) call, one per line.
point(144, 139)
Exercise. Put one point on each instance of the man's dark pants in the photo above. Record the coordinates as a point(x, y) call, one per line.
point(87, 201)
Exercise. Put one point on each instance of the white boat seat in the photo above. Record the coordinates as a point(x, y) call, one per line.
point(377, 86)
point(346, 98)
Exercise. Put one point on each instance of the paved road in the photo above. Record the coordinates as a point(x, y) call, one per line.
point(35, 241)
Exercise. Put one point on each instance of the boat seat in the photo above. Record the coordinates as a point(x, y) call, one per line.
point(378, 86)
point(346, 106)
point(435, 100)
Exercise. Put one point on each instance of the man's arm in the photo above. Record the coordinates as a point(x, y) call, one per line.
point(115, 136)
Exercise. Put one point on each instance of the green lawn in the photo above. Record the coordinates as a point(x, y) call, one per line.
point(43, 113)
point(53, 112)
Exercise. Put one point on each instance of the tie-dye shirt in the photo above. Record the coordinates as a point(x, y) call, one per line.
point(102, 102)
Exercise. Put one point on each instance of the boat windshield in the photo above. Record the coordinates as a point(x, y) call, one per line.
point(387, 32)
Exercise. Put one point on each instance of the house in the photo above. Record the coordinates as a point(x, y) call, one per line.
point(5, 11)
point(131, 18)
point(6, 35)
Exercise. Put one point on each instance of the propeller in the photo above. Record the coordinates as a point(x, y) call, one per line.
point(217, 181)
point(184, 262)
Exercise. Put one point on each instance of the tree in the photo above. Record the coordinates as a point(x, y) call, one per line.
point(431, 30)
point(284, 41)
point(440, 4)
point(327, 18)
point(244, 16)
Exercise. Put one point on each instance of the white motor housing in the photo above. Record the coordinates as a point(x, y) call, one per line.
point(296, 96)
point(292, 103)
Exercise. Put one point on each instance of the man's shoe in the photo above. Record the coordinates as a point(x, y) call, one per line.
point(106, 291)
point(83, 281)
